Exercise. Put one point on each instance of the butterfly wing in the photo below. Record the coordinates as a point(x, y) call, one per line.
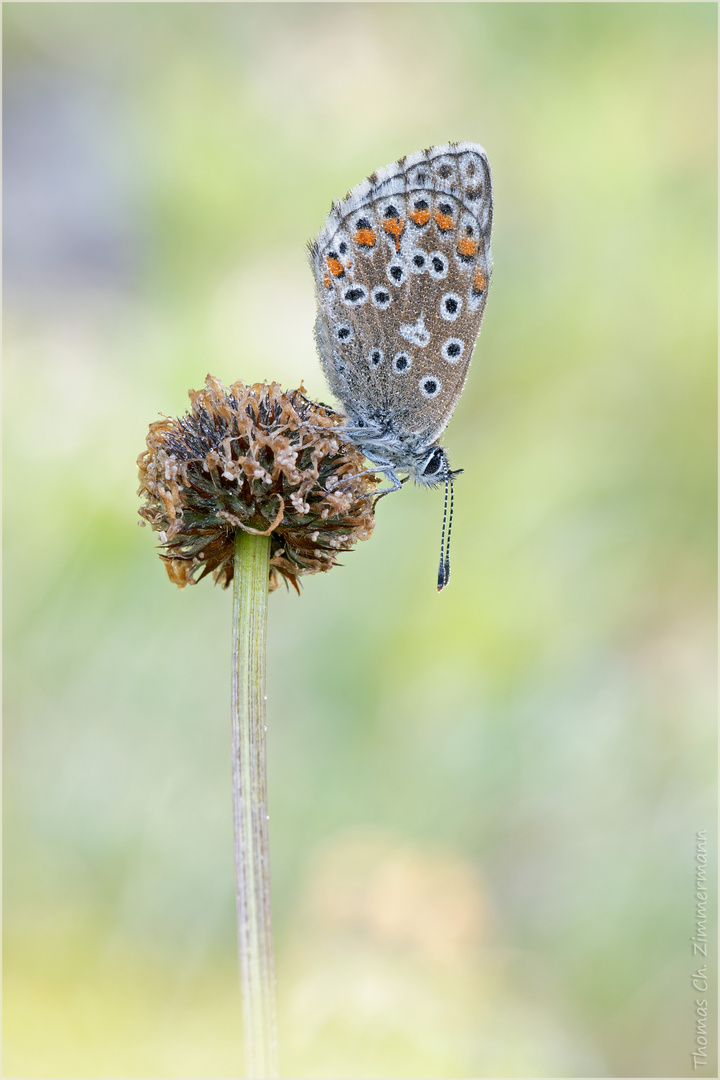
point(402, 268)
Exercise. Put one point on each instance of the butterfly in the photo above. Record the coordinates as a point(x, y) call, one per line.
point(402, 267)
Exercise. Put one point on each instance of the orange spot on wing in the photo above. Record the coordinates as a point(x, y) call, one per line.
point(396, 227)
point(444, 221)
point(467, 246)
point(420, 217)
point(365, 238)
point(480, 282)
point(326, 281)
point(335, 267)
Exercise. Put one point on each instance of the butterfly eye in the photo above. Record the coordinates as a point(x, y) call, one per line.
point(434, 462)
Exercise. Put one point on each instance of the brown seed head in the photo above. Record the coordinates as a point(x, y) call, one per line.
point(253, 458)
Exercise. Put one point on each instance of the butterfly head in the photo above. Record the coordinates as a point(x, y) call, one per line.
point(434, 469)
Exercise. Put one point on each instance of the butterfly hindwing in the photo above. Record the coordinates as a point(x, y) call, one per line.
point(402, 268)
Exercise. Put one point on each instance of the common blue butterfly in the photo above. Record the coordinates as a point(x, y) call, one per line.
point(402, 268)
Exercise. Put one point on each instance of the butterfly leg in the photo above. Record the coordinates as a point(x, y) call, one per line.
point(390, 474)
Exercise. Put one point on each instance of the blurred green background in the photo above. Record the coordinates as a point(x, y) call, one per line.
point(483, 804)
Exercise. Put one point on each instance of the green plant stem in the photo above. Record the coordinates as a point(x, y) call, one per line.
point(252, 867)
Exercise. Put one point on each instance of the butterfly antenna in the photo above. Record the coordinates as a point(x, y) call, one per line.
point(444, 567)
point(449, 528)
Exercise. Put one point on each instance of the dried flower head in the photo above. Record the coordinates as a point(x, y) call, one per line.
point(253, 458)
